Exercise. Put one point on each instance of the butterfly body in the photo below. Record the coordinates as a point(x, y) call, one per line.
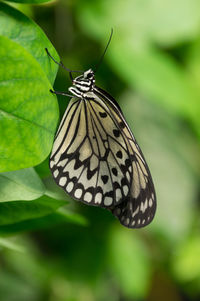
point(83, 84)
point(96, 159)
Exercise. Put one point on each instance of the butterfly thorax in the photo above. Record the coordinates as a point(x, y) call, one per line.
point(83, 84)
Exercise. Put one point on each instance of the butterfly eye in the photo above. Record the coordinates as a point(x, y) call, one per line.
point(90, 75)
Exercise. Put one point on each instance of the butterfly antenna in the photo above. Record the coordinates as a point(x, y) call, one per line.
point(102, 56)
point(62, 65)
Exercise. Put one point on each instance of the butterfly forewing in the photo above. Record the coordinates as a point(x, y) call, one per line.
point(90, 159)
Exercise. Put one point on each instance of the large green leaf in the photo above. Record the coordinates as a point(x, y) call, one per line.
point(30, 1)
point(17, 211)
point(28, 111)
point(22, 184)
point(42, 223)
point(19, 28)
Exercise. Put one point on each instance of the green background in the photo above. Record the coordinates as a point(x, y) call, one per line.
point(53, 248)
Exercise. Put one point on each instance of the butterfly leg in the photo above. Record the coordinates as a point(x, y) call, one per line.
point(60, 93)
point(60, 64)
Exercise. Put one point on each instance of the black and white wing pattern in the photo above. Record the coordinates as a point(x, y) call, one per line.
point(138, 208)
point(90, 158)
point(96, 160)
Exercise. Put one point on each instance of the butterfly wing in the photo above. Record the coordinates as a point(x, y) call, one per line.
point(139, 207)
point(96, 159)
point(90, 159)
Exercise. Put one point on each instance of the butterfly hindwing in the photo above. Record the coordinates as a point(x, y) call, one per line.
point(138, 209)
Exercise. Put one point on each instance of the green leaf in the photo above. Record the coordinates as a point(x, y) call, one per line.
point(8, 244)
point(30, 1)
point(25, 32)
point(20, 29)
point(14, 212)
point(28, 111)
point(73, 217)
point(41, 223)
point(43, 169)
point(22, 184)
point(53, 190)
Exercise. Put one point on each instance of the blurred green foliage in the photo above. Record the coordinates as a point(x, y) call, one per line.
point(53, 248)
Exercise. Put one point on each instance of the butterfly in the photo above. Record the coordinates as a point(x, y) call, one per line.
point(95, 157)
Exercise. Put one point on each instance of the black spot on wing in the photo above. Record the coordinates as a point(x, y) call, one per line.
point(103, 114)
point(116, 133)
point(114, 171)
point(122, 124)
point(128, 162)
point(119, 154)
point(104, 179)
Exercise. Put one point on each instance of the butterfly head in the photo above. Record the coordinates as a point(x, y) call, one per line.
point(89, 75)
point(83, 83)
